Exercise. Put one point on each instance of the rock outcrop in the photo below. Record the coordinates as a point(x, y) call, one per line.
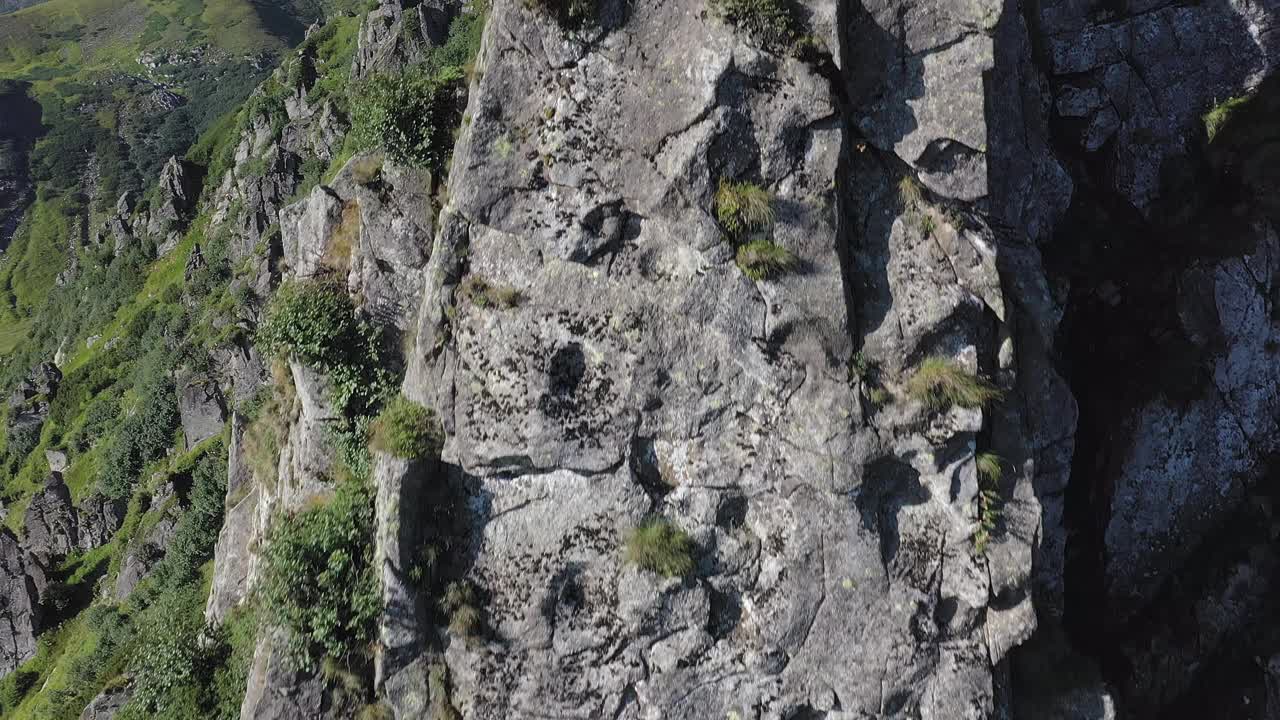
point(834, 524)
point(21, 582)
point(107, 703)
point(200, 407)
point(172, 205)
point(975, 184)
point(50, 522)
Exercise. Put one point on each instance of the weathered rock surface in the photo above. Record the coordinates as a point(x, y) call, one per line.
point(146, 552)
point(641, 350)
point(175, 198)
point(97, 519)
point(107, 703)
point(200, 408)
point(21, 581)
point(52, 529)
point(954, 181)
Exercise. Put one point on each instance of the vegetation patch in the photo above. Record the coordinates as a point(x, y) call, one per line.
point(661, 547)
point(407, 430)
point(990, 472)
point(765, 260)
point(743, 207)
point(771, 23)
point(484, 293)
point(940, 383)
point(319, 581)
point(1220, 114)
point(407, 115)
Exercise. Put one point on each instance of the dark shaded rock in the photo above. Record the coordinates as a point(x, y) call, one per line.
point(98, 519)
point(21, 581)
point(50, 521)
point(20, 126)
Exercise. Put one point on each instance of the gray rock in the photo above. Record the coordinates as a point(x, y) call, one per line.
point(107, 703)
point(175, 198)
point(21, 582)
point(51, 523)
point(98, 518)
point(393, 36)
point(640, 350)
point(200, 408)
point(57, 460)
point(278, 691)
point(146, 553)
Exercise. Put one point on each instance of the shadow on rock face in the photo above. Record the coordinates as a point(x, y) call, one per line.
point(889, 485)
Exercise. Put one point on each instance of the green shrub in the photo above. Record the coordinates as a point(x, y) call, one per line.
point(169, 660)
point(317, 323)
point(940, 383)
point(143, 437)
point(407, 115)
point(485, 294)
point(742, 207)
point(765, 259)
point(659, 546)
point(319, 581)
point(1217, 117)
point(772, 23)
point(408, 430)
point(197, 531)
point(928, 226)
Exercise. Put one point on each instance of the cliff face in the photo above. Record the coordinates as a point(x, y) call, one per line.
point(942, 176)
point(934, 340)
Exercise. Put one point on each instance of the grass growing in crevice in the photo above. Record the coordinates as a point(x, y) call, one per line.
point(990, 472)
point(940, 383)
point(743, 207)
point(657, 545)
point(774, 24)
point(765, 260)
point(1218, 116)
point(484, 293)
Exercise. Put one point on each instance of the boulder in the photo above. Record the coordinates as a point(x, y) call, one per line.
point(107, 703)
point(51, 522)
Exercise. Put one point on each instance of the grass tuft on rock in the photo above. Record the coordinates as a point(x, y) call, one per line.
point(742, 207)
point(940, 383)
point(661, 547)
point(1220, 114)
point(765, 259)
point(406, 429)
point(484, 293)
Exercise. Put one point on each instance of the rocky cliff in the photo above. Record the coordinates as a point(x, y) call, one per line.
point(687, 359)
point(931, 170)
